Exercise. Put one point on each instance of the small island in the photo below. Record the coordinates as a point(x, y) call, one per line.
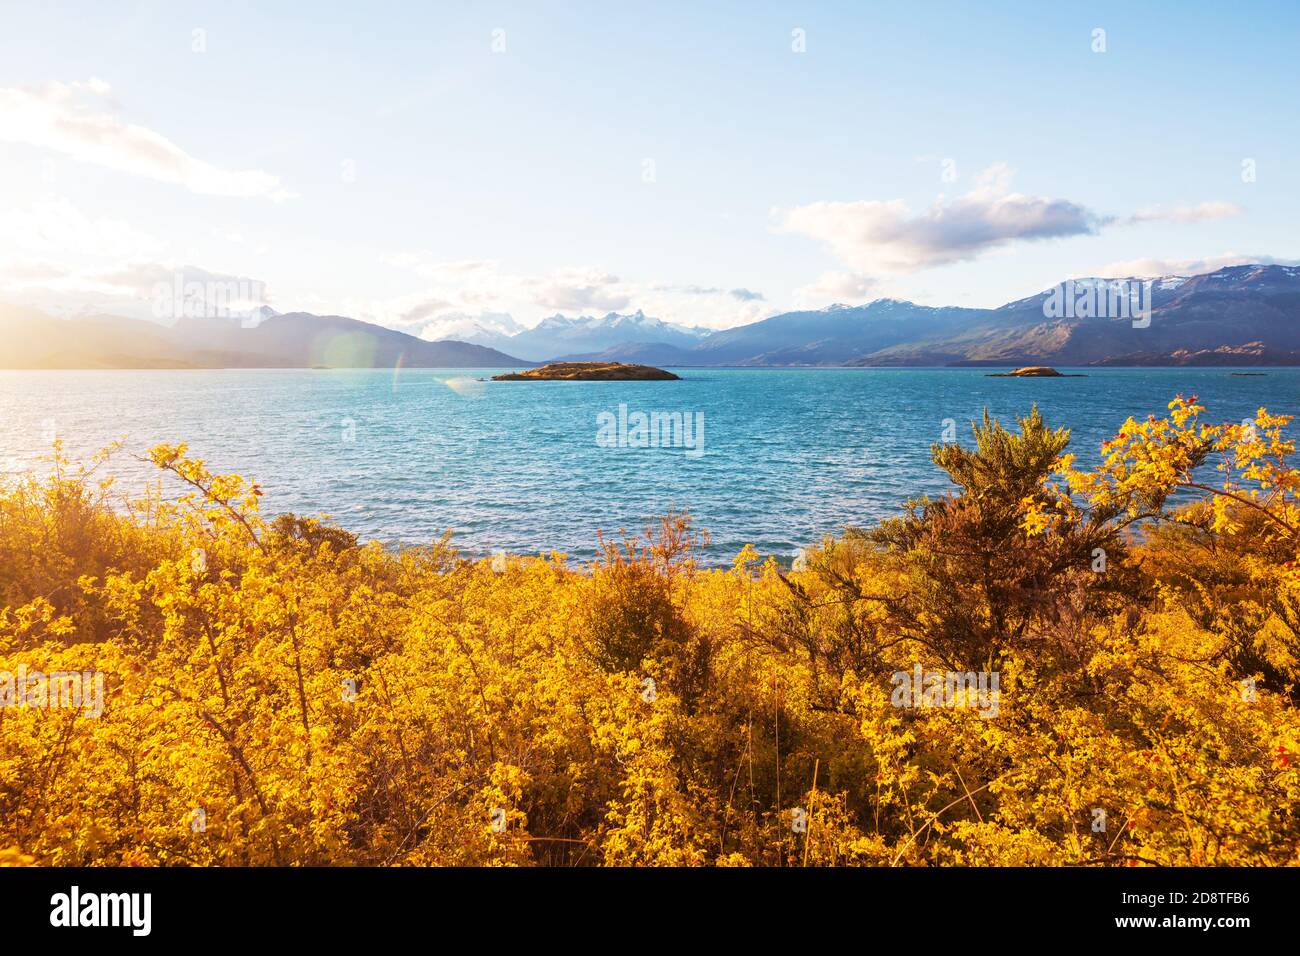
point(589, 372)
point(1033, 371)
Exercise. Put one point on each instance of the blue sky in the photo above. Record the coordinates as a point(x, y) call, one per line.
point(409, 164)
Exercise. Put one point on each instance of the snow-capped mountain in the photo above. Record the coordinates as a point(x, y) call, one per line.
point(1242, 315)
point(559, 336)
point(1247, 314)
point(1237, 315)
point(482, 329)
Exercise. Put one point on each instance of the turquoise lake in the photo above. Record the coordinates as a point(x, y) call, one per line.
point(787, 455)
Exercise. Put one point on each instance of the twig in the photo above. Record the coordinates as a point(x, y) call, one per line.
point(935, 816)
point(812, 799)
point(968, 794)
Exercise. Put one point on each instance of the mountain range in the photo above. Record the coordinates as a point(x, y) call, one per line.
point(1239, 315)
point(32, 339)
point(559, 337)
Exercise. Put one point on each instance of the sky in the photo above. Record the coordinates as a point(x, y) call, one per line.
point(415, 164)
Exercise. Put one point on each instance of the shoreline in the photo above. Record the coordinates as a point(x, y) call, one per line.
point(686, 368)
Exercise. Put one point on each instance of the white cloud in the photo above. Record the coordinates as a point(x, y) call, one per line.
point(1151, 267)
point(237, 238)
point(477, 290)
point(71, 118)
point(473, 285)
point(143, 278)
point(55, 257)
point(873, 236)
point(830, 288)
point(54, 226)
point(740, 294)
point(578, 290)
point(463, 271)
point(1183, 212)
point(711, 308)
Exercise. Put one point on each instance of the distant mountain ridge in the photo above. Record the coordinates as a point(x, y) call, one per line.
point(1238, 315)
point(32, 339)
point(559, 337)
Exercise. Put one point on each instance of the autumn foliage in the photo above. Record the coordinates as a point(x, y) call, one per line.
point(312, 699)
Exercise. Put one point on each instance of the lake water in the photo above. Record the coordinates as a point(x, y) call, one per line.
point(787, 455)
